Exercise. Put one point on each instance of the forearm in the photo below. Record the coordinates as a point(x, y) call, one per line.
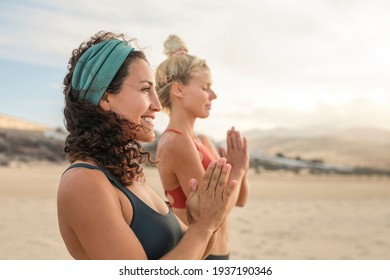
point(193, 246)
point(210, 245)
point(238, 175)
point(243, 192)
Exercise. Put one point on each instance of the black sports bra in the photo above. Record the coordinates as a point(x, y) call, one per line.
point(157, 233)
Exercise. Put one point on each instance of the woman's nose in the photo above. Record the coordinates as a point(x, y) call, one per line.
point(155, 105)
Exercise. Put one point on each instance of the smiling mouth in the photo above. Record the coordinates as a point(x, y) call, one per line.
point(148, 121)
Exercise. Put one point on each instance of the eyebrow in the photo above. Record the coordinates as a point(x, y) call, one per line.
point(146, 81)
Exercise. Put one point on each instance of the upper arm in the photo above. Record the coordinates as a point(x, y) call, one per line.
point(90, 208)
point(179, 161)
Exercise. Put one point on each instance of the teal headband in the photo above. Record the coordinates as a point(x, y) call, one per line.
point(96, 68)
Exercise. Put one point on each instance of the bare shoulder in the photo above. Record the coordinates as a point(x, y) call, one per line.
point(82, 180)
point(82, 189)
point(173, 143)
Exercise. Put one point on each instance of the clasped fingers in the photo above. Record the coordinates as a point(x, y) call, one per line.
point(235, 141)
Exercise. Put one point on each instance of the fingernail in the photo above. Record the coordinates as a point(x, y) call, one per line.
point(193, 185)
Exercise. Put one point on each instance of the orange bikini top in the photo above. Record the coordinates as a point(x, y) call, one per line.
point(177, 195)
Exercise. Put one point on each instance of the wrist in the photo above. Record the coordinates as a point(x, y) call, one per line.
point(200, 230)
point(238, 173)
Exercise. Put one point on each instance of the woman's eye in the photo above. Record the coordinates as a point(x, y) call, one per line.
point(146, 89)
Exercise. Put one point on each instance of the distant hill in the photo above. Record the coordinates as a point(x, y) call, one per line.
point(8, 122)
point(358, 147)
point(23, 141)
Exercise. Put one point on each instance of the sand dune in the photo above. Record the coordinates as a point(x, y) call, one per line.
point(287, 217)
point(358, 147)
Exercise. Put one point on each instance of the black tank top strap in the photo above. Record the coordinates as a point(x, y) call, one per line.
point(111, 178)
point(132, 197)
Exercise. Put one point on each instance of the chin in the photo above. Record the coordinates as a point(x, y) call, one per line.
point(204, 116)
point(146, 138)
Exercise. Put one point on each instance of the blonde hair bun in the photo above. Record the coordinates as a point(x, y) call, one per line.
point(174, 45)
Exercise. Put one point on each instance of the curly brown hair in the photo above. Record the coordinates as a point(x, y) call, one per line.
point(99, 135)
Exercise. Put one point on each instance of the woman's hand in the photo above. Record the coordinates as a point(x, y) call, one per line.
point(237, 151)
point(207, 203)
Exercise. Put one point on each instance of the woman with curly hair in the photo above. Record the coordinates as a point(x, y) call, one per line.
point(106, 209)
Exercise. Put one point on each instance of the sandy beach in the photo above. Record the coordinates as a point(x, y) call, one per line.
point(287, 216)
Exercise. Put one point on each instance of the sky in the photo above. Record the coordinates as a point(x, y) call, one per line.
point(275, 63)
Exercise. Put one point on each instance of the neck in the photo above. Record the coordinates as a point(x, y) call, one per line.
point(181, 120)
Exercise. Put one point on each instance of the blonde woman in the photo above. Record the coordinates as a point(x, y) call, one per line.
point(184, 88)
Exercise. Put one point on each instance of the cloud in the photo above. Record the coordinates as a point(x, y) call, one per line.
point(276, 39)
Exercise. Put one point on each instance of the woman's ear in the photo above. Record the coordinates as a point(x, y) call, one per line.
point(104, 102)
point(177, 89)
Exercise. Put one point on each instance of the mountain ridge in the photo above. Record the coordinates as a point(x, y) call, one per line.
point(358, 147)
point(10, 122)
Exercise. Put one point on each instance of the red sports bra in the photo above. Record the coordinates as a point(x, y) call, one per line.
point(177, 195)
